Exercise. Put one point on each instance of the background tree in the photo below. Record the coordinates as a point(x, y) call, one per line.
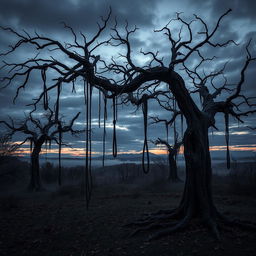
point(38, 134)
point(173, 151)
point(7, 147)
point(127, 77)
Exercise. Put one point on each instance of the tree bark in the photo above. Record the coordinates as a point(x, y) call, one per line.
point(197, 195)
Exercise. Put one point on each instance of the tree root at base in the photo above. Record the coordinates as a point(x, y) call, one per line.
point(167, 222)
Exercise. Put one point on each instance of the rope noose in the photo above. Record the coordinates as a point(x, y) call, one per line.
point(87, 174)
point(45, 98)
point(227, 138)
point(114, 143)
point(73, 87)
point(99, 109)
point(145, 146)
point(167, 131)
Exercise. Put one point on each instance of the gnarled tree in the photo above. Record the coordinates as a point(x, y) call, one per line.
point(173, 150)
point(127, 77)
point(37, 134)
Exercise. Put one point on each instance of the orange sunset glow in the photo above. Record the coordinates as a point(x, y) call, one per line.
point(80, 152)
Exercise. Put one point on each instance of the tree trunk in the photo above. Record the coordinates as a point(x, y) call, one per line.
point(35, 183)
point(173, 172)
point(196, 201)
point(197, 196)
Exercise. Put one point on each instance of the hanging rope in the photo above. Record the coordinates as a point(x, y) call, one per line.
point(49, 145)
point(31, 146)
point(114, 143)
point(116, 108)
point(99, 109)
point(167, 131)
point(174, 122)
point(104, 131)
point(181, 124)
point(145, 146)
point(45, 98)
point(59, 156)
point(174, 129)
point(73, 87)
point(227, 138)
point(57, 106)
point(90, 135)
point(46, 156)
point(87, 174)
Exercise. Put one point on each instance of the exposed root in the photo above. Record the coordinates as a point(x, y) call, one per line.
point(168, 222)
point(176, 213)
point(168, 231)
point(162, 216)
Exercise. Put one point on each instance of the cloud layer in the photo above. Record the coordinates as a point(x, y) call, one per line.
point(45, 17)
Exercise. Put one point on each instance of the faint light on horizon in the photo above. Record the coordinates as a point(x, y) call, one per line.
point(234, 148)
point(158, 150)
point(232, 133)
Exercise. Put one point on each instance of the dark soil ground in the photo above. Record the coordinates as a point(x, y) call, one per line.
point(58, 224)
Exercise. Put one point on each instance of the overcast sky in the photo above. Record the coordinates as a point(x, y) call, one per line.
point(44, 17)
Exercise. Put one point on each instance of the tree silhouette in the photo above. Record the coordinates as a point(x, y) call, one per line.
point(173, 150)
point(38, 134)
point(7, 148)
point(127, 77)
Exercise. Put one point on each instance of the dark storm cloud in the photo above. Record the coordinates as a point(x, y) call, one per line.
point(241, 9)
point(45, 17)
